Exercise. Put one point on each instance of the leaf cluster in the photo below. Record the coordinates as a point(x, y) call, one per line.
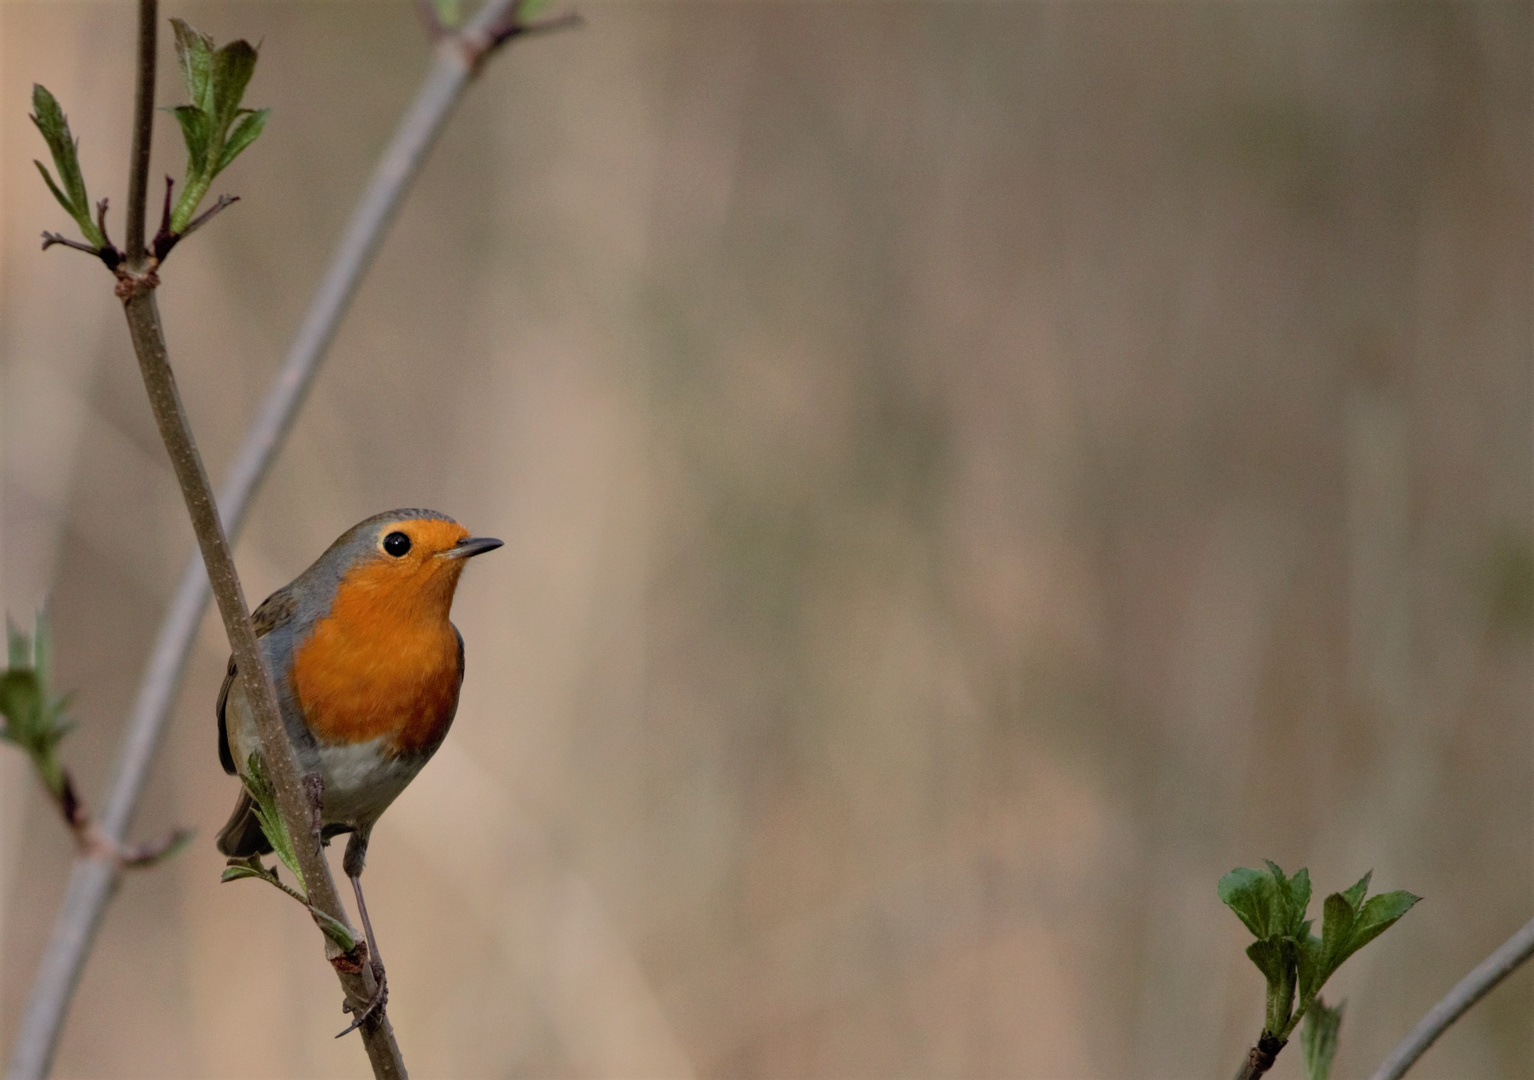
point(69, 189)
point(1294, 961)
point(215, 127)
point(34, 719)
point(275, 827)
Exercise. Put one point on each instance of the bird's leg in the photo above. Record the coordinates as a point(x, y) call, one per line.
point(356, 854)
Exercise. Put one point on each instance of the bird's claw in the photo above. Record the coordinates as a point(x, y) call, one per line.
point(376, 1003)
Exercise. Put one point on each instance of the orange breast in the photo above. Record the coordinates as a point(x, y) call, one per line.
point(383, 662)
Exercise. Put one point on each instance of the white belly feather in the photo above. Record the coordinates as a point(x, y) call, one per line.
point(360, 780)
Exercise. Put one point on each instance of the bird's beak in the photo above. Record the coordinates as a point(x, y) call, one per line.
point(470, 546)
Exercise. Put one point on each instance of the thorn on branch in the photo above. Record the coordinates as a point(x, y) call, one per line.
point(70, 806)
point(107, 254)
point(479, 50)
point(165, 239)
point(141, 856)
point(101, 222)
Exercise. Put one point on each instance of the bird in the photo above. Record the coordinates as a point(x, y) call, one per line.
point(367, 667)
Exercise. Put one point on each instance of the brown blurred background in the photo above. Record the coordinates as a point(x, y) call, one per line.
point(972, 474)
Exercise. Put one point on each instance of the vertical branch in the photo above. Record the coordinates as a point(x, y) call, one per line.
point(143, 128)
point(94, 879)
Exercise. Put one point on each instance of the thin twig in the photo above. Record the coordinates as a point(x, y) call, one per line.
point(92, 842)
point(143, 128)
point(1469, 990)
point(51, 238)
point(165, 240)
point(570, 20)
point(94, 880)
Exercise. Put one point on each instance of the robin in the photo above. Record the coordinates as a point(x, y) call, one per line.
point(367, 669)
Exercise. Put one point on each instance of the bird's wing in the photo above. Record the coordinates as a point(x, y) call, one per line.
point(276, 610)
point(459, 636)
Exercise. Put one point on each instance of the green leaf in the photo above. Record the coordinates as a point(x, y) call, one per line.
point(214, 126)
point(18, 646)
point(233, 65)
point(1299, 900)
point(1249, 893)
point(54, 126)
point(270, 818)
point(1269, 958)
point(194, 52)
point(335, 930)
point(1379, 914)
point(1355, 895)
point(235, 873)
point(197, 133)
point(1338, 918)
point(247, 129)
point(42, 649)
point(1318, 1039)
point(1291, 896)
point(1276, 959)
point(70, 189)
point(21, 701)
point(1310, 957)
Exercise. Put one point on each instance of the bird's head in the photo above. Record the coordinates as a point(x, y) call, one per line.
point(407, 562)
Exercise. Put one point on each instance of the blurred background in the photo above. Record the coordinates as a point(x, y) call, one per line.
point(972, 474)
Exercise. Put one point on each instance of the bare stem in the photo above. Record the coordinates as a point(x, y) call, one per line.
point(1458, 1001)
point(94, 879)
point(143, 128)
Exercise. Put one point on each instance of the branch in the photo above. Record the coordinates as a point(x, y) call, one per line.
point(1469, 990)
point(92, 842)
point(282, 764)
point(1260, 1058)
point(94, 880)
point(143, 128)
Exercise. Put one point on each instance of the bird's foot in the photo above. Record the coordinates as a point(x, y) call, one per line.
point(375, 1004)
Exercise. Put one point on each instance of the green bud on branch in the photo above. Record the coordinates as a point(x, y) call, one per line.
point(214, 126)
point(69, 189)
point(34, 719)
point(1293, 961)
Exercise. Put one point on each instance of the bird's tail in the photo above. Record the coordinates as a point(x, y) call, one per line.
point(242, 836)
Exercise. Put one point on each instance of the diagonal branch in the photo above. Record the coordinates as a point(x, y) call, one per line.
point(94, 880)
point(136, 288)
point(281, 762)
point(1458, 1001)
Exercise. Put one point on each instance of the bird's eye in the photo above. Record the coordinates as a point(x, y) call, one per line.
point(396, 544)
